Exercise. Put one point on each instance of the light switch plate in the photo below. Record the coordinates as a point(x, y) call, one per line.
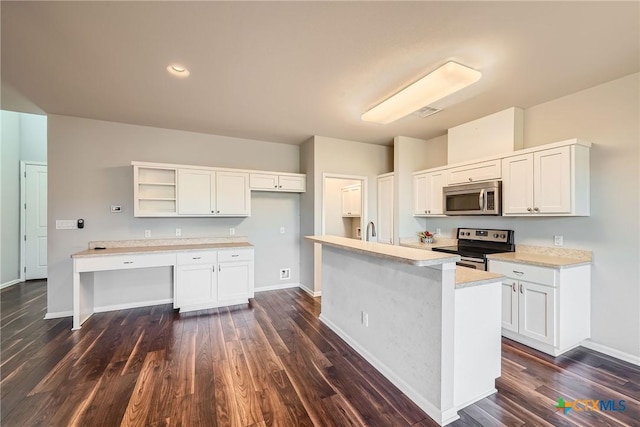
point(66, 224)
point(558, 240)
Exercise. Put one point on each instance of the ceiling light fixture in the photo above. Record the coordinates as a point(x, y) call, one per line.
point(449, 78)
point(178, 70)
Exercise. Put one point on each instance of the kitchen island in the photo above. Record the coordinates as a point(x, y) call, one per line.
point(431, 331)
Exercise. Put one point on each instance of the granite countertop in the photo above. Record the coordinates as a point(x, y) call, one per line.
point(467, 277)
point(541, 260)
point(130, 250)
point(417, 257)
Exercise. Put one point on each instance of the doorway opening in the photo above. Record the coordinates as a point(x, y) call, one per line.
point(344, 206)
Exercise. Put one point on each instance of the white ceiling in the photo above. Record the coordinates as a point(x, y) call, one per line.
point(283, 71)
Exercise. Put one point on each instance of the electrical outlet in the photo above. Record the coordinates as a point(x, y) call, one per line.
point(364, 318)
point(285, 273)
point(558, 240)
point(66, 224)
point(282, 230)
point(438, 232)
point(178, 232)
point(232, 232)
point(116, 208)
point(147, 233)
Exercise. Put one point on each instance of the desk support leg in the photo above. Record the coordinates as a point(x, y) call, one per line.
point(76, 301)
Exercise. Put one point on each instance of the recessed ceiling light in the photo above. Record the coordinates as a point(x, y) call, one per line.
point(178, 70)
point(449, 78)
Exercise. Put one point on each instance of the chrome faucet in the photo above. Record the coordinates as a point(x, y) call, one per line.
point(371, 226)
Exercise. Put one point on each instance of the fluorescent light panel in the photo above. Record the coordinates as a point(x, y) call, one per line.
point(448, 79)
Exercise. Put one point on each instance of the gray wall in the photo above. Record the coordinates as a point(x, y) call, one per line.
point(90, 169)
point(24, 138)
point(10, 188)
point(606, 115)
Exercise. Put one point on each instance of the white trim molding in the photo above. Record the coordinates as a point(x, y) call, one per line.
point(276, 287)
point(625, 357)
point(10, 283)
point(309, 291)
point(58, 315)
point(128, 306)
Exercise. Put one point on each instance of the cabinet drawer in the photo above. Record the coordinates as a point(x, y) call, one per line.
point(197, 257)
point(530, 273)
point(235, 255)
point(123, 262)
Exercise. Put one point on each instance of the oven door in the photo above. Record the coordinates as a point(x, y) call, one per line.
point(472, 199)
point(475, 263)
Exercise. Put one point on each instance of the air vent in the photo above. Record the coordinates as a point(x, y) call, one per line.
point(427, 111)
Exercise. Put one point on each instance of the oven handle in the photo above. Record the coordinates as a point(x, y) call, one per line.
point(468, 259)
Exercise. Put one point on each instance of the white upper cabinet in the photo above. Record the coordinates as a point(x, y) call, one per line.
point(352, 200)
point(210, 193)
point(483, 171)
point(385, 209)
point(293, 183)
point(552, 182)
point(154, 191)
point(427, 193)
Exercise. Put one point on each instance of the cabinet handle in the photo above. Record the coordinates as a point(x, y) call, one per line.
point(128, 262)
point(536, 209)
point(470, 179)
point(234, 255)
point(429, 212)
point(196, 257)
point(519, 273)
point(219, 268)
point(521, 288)
point(514, 287)
point(213, 211)
point(426, 212)
point(279, 186)
point(529, 209)
point(275, 186)
point(218, 211)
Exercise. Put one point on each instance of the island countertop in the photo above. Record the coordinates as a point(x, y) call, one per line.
point(417, 257)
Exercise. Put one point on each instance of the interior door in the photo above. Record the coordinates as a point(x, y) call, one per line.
point(35, 221)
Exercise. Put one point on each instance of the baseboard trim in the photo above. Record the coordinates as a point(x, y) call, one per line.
point(127, 306)
point(441, 417)
point(625, 357)
point(58, 315)
point(10, 283)
point(276, 287)
point(309, 291)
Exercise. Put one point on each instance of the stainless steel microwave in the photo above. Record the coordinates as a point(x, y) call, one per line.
point(480, 198)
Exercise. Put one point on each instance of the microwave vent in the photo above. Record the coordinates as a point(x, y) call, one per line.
point(427, 111)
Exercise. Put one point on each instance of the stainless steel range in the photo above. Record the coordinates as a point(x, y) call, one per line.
point(475, 244)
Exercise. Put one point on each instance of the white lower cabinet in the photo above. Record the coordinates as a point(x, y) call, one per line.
point(215, 278)
point(545, 308)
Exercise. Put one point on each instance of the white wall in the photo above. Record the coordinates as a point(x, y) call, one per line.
point(24, 138)
point(90, 169)
point(10, 192)
point(607, 115)
point(334, 222)
point(410, 155)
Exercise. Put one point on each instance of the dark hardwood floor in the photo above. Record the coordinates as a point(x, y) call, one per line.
point(269, 363)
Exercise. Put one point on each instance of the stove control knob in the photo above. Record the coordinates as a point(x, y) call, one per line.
point(495, 235)
point(503, 236)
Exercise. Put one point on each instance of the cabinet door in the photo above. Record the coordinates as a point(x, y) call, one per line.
point(196, 192)
point(435, 182)
point(385, 210)
point(536, 308)
point(346, 202)
point(552, 180)
point(292, 183)
point(260, 181)
point(356, 200)
point(517, 184)
point(233, 195)
point(235, 280)
point(483, 171)
point(195, 285)
point(420, 205)
point(510, 305)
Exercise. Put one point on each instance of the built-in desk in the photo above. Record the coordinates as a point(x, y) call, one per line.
point(205, 275)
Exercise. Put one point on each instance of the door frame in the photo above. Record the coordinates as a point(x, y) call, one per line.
point(363, 209)
point(23, 213)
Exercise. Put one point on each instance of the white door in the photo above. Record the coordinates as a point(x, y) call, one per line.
point(420, 205)
point(536, 312)
point(234, 279)
point(291, 183)
point(435, 184)
point(36, 222)
point(233, 195)
point(356, 200)
point(552, 180)
point(517, 184)
point(196, 192)
point(196, 284)
point(385, 210)
point(510, 305)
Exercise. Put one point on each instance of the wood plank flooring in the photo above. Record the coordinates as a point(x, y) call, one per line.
point(271, 363)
